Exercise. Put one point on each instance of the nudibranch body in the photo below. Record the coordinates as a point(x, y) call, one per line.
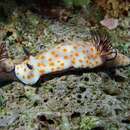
point(70, 54)
point(66, 55)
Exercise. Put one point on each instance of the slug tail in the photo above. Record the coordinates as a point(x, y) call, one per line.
point(120, 61)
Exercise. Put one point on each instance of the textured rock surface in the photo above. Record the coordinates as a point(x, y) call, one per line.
point(82, 100)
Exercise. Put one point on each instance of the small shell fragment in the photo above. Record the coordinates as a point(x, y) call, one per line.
point(110, 23)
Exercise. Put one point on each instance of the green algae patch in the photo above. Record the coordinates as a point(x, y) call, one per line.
point(88, 122)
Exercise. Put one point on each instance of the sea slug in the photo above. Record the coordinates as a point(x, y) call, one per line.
point(66, 55)
point(71, 54)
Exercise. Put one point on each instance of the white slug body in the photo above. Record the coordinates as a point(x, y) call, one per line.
point(61, 57)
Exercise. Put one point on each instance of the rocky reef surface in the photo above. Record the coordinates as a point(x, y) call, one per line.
point(94, 100)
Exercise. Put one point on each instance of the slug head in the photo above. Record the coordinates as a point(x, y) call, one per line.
point(27, 72)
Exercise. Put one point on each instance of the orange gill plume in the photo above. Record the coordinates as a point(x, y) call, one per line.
point(110, 56)
point(104, 46)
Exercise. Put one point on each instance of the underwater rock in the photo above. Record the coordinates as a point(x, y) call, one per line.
point(111, 88)
point(8, 120)
point(20, 128)
point(83, 93)
point(65, 123)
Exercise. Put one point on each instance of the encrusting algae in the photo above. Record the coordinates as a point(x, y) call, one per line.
point(70, 54)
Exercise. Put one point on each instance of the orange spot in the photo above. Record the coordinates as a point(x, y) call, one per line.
point(49, 59)
point(80, 60)
point(53, 53)
point(65, 50)
point(51, 63)
point(62, 64)
point(92, 49)
point(41, 71)
point(93, 56)
point(84, 51)
point(76, 54)
point(66, 57)
point(87, 61)
point(56, 55)
point(40, 65)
